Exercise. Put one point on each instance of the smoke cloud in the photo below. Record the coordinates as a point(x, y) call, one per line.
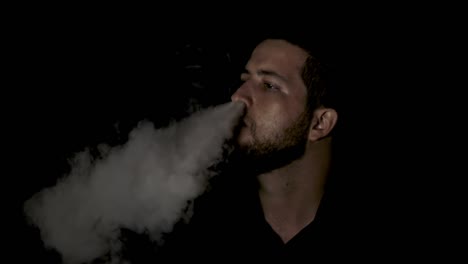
point(143, 185)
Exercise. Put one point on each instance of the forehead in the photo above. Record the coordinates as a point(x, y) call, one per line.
point(279, 55)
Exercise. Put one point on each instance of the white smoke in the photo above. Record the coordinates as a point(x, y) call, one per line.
point(143, 185)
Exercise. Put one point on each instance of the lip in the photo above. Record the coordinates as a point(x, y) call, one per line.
point(246, 122)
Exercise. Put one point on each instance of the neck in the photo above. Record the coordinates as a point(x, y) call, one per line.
point(290, 196)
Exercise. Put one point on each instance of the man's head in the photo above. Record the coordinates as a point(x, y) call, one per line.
point(286, 98)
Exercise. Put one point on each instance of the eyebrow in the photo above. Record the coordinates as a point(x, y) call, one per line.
point(269, 73)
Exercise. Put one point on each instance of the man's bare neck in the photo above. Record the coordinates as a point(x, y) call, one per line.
point(287, 223)
point(290, 208)
point(290, 196)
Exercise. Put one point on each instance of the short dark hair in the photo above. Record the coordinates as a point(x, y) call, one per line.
point(318, 70)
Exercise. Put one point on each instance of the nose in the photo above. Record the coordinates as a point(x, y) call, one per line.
point(243, 94)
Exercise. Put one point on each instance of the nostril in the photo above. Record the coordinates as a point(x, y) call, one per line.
point(237, 98)
point(234, 97)
point(243, 94)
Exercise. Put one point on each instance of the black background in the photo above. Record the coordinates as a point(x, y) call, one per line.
point(77, 80)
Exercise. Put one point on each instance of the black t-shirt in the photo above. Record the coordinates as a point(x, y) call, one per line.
point(229, 225)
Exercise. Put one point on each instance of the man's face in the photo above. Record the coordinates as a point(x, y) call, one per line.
point(276, 123)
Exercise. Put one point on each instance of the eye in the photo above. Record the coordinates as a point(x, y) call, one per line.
point(270, 86)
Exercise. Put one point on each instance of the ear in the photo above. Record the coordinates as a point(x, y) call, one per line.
point(323, 122)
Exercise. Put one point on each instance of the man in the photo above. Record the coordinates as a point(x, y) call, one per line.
point(286, 133)
point(284, 144)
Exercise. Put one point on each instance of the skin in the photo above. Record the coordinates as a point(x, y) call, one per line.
point(277, 130)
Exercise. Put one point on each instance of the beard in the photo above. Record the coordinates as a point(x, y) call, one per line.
point(271, 151)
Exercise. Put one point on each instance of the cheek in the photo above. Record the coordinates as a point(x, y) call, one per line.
point(278, 117)
point(271, 119)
